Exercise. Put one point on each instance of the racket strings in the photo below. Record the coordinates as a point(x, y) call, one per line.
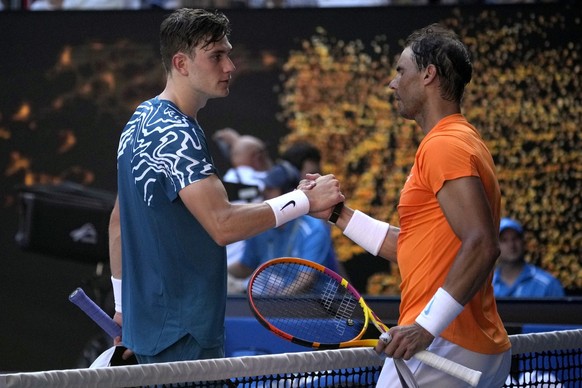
point(345, 310)
point(307, 304)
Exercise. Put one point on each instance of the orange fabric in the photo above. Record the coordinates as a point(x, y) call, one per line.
point(427, 245)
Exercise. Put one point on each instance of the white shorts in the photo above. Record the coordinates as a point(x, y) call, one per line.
point(495, 368)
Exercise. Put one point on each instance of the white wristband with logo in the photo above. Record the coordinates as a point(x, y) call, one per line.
point(367, 232)
point(116, 283)
point(289, 206)
point(440, 311)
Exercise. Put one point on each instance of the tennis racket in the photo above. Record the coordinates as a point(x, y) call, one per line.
point(114, 355)
point(311, 305)
point(100, 317)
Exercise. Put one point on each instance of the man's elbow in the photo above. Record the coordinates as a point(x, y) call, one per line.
point(222, 236)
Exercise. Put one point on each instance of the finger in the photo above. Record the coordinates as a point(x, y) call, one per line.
point(127, 354)
point(386, 338)
point(117, 340)
point(313, 176)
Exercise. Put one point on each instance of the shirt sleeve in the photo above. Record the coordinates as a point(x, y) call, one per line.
point(445, 158)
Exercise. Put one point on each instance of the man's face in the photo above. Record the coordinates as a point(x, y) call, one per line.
point(407, 85)
point(210, 69)
point(511, 245)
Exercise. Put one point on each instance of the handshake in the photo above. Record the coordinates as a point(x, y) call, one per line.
point(324, 194)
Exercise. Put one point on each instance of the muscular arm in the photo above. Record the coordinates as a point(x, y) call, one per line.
point(388, 249)
point(115, 242)
point(467, 211)
point(226, 223)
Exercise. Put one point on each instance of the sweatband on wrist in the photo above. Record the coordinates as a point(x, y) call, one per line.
point(439, 312)
point(116, 293)
point(367, 232)
point(289, 206)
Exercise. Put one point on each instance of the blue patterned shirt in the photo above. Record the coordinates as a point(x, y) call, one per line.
point(174, 274)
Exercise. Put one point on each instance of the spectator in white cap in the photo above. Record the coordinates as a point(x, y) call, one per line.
point(514, 277)
point(305, 237)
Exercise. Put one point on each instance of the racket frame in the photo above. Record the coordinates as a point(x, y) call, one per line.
point(460, 371)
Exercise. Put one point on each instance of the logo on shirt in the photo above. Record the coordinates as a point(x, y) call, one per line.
point(427, 310)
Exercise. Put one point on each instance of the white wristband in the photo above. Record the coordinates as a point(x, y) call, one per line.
point(289, 206)
point(116, 293)
point(367, 232)
point(439, 312)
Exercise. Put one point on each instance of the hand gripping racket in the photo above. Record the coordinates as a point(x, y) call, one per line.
point(310, 305)
point(100, 317)
point(114, 355)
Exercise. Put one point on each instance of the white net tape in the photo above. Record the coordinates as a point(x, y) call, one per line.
point(541, 342)
point(203, 370)
point(219, 369)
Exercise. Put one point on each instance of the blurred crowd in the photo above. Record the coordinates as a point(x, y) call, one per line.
point(49, 5)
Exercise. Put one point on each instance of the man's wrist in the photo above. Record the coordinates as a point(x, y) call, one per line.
point(335, 213)
point(367, 232)
point(289, 206)
point(440, 311)
point(116, 283)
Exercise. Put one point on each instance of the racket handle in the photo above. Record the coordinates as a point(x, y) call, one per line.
point(95, 312)
point(459, 371)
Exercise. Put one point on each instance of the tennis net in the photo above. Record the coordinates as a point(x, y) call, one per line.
point(550, 359)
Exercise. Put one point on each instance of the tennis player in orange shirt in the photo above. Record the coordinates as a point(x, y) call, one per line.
point(449, 210)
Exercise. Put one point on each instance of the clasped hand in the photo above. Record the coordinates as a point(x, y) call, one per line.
point(323, 193)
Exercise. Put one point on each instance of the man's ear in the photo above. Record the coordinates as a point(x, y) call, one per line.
point(180, 63)
point(430, 73)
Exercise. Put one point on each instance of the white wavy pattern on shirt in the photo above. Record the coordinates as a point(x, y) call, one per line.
point(154, 159)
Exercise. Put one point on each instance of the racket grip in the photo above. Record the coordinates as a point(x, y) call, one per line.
point(95, 312)
point(459, 371)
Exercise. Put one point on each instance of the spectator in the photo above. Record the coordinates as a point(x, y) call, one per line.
point(514, 277)
point(250, 162)
point(304, 156)
point(305, 237)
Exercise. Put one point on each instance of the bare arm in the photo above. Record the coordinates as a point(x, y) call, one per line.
point(115, 263)
point(115, 242)
point(467, 210)
point(388, 248)
point(226, 223)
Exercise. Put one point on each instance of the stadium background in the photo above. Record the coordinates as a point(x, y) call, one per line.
point(69, 84)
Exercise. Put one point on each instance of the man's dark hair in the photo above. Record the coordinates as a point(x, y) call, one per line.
point(299, 152)
point(185, 29)
point(441, 47)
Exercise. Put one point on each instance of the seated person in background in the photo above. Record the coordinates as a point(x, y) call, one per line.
point(514, 277)
point(303, 156)
point(249, 162)
point(306, 237)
